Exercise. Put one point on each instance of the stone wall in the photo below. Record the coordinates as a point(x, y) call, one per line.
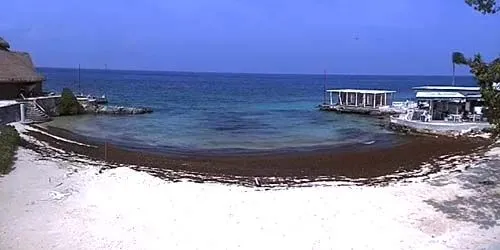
point(50, 104)
point(10, 113)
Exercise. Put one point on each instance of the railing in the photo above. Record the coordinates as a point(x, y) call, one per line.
point(36, 104)
point(40, 107)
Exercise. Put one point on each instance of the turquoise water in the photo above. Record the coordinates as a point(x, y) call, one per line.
point(217, 112)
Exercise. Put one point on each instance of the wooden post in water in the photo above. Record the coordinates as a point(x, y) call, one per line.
point(79, 86)
point(106, 151)
point(324, 88)
point(453, 80)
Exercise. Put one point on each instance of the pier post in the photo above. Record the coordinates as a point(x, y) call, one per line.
point(385, 99)
point(23, 112)
point(364, 99)
point(106, 151)
point(374, 100)
point(431, 110)
point(356, 101)
point(331, 99)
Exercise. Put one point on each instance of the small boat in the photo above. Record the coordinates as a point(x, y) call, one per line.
point(101, 100)
point(90, 98)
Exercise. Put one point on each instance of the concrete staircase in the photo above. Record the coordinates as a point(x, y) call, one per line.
point(35, 113)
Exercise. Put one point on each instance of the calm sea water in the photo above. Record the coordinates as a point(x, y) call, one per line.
point(220, 112)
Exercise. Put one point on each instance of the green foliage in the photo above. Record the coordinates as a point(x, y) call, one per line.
point(9, 140)
point(69, 104)
point(484, 6)
point(458, 58)
point(488, 76)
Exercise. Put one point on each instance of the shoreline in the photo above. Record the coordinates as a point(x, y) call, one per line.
point(370, 165)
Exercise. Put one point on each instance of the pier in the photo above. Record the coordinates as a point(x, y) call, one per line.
point(360, 101)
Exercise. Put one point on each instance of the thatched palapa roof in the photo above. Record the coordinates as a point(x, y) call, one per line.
point(17, 67)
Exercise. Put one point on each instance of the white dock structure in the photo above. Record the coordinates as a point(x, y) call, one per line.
point(448, 110)
point(361, 101)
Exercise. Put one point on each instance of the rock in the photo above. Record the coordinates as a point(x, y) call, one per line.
point(487, 183)
point(117, 110)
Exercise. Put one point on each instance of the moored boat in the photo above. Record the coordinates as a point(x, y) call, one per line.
point(92, 99)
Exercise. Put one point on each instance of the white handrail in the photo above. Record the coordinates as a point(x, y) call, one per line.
point(40, 107)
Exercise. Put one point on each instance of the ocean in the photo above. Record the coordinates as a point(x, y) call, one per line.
point(224, 113)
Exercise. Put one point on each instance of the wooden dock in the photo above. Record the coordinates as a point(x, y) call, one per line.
point(360, 101)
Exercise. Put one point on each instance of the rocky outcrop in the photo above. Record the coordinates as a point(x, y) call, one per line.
point(115, 110)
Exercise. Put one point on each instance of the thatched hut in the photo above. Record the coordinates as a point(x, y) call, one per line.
point(17, 74)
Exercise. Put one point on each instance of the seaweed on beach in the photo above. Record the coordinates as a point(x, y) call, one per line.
point(359, 167)
point(9, 141)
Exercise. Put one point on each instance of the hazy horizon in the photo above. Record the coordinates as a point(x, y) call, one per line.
point(243, 73)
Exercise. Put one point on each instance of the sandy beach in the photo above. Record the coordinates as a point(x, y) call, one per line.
point(59, 200)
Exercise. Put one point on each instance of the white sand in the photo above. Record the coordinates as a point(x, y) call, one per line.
point(54, 204)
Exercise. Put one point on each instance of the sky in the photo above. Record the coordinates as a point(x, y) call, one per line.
point(402, 37)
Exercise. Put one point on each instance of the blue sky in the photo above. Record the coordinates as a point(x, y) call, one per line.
point(267, 36)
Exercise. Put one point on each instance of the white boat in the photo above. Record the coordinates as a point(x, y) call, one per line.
point(90, 98)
